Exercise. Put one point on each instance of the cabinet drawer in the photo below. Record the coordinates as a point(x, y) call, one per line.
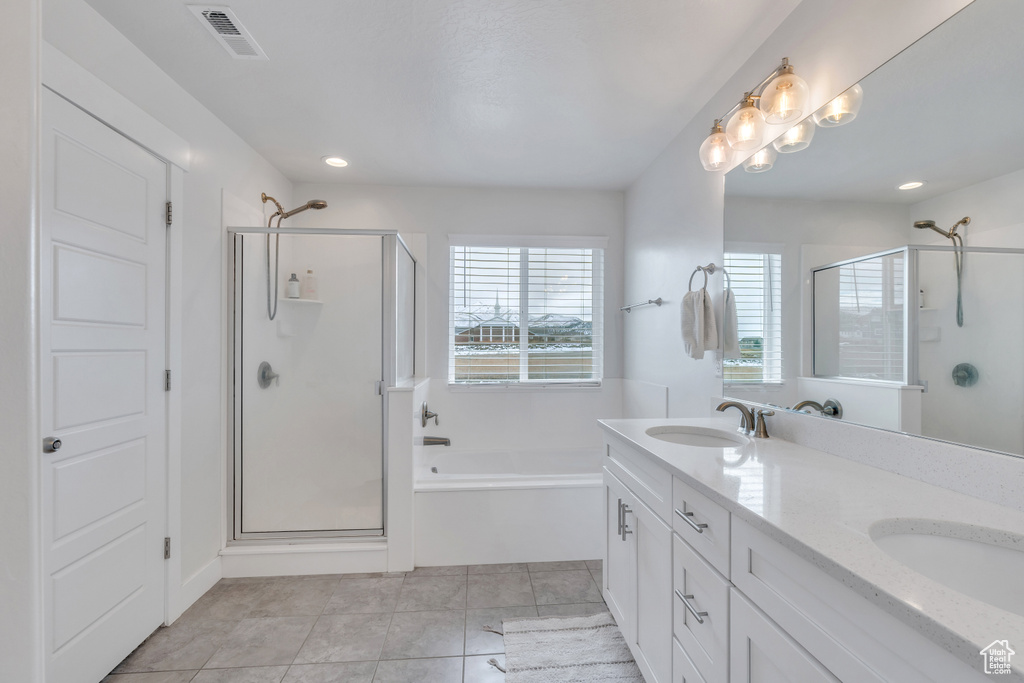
point(650, 482)
point(762, 652)
point(683, 670)
point(702, 523)
point(704, 631)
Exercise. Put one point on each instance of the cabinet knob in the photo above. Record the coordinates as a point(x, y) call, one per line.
point(51, 444)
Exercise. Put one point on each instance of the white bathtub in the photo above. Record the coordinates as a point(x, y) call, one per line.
point(507, 506)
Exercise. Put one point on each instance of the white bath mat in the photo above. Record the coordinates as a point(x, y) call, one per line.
point(567, 650)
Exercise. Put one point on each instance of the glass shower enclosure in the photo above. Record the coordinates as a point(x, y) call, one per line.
point(891, 318)
point(309, 376)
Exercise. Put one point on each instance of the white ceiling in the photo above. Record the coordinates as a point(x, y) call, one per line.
point(946, 111)
point(520, 93)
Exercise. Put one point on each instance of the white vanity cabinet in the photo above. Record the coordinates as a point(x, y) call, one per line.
point(702, 596)
point(638, 560)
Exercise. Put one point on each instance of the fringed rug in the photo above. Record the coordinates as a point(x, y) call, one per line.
point(567, 650)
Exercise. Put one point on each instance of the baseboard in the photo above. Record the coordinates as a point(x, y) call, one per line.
point(195, 586)
point(304, 559)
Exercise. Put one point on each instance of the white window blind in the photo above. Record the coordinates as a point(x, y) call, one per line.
point(525, 315)
point(756, 283)
point(871, 318)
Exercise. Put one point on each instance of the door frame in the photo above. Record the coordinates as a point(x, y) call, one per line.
point(70, 81)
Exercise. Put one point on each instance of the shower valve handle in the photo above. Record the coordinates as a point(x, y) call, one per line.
point(426, 416)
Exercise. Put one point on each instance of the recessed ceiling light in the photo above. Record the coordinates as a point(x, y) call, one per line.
point(335, 161)
point(910, 186)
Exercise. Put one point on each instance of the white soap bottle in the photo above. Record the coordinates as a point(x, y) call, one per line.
point(309, 285)
point(293, 287)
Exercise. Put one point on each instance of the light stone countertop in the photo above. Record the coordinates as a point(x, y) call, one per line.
point(821, 507)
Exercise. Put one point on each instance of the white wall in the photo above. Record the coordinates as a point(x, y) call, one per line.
point(219, 160)
point(20, 571)
point(485, 418)
point(792, 224)
point(674, 211)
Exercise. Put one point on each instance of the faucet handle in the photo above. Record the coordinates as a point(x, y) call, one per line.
point(426, 416)
point(761, 427)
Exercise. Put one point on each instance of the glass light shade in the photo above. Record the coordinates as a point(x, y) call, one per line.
point(761, 161)
point(715, 152)
point(785, 99)
point(746, 128)
point(796, 138)
point(841, 110)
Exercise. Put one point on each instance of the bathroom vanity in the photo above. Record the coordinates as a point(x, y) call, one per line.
point(736, 559)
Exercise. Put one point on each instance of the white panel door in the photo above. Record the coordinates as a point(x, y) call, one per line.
point(102, 359)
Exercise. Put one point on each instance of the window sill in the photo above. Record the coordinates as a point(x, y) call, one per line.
point(525, 386)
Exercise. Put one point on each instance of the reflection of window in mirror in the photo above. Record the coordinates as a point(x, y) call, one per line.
point(756, 283)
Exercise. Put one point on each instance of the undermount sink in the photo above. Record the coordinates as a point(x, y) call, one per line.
point(985, 564)
point(702, 437)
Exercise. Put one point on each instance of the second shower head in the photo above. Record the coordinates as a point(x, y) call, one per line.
point(921, 225)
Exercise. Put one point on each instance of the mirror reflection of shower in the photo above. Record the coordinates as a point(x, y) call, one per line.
point(958, 258)
point(280, 215)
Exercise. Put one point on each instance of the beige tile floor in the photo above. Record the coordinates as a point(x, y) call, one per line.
point(424, 626)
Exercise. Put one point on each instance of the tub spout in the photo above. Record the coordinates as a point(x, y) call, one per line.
point(436, 441)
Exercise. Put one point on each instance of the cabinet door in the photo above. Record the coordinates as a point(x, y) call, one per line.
point(653, 541)
point(761, 652)
point(619, 558)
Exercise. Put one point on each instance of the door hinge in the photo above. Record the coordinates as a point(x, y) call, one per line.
point(167, 380)
point(169, 214)
point(167, 547)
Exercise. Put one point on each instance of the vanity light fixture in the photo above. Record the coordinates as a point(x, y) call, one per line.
point(762, 160)
point(913, 185)
point(337, 162)
point(841, 110)
point(782, 97)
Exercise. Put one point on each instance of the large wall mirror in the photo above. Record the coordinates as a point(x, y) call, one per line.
point(845, 292)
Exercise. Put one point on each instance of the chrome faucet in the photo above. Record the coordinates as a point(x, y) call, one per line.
point(809, 404)
point(436, 441)
point(747, 423)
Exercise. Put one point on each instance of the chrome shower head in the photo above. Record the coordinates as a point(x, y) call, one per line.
point(311, 204)
point(921, 225)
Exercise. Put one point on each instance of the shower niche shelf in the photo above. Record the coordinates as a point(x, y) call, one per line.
point(302, 301)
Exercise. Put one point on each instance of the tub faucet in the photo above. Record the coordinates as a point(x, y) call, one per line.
point(747, 422)
point(436, 441)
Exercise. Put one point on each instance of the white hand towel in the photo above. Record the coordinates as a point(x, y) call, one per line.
point(700, 332)
point(730, 326)
point(710, 322)
point(693, 336)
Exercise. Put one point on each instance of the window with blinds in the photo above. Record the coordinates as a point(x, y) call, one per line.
point(859, 319)
point(525, 315)
point(755, 280)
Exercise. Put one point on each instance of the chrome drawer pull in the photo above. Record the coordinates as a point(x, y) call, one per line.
point(690, 608)
point(685, 516)
point(625, 529)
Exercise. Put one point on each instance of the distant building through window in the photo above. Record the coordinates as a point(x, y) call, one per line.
point(525, 315)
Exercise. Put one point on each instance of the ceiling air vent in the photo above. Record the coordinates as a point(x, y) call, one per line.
point(229, 32)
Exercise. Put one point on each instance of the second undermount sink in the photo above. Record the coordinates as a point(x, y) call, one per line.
point(985, 564)
point(702, 437)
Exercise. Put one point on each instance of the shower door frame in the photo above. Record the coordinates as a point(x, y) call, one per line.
point(390, 242)
point(911, 299)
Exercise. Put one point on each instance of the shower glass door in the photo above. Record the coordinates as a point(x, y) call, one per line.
point(308, 432)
